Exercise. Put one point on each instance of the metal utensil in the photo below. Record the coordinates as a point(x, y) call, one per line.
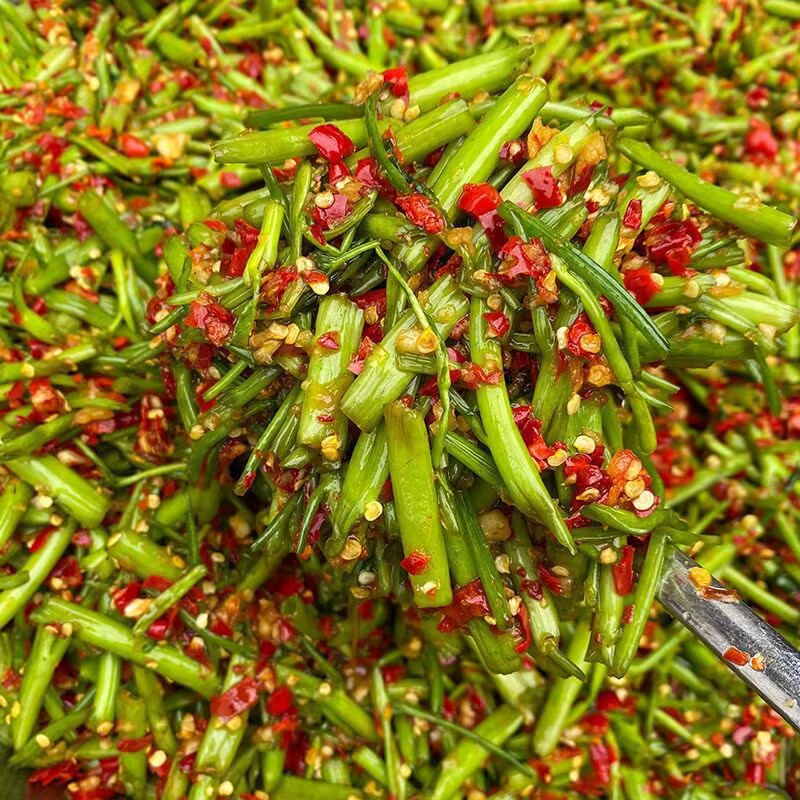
point(721, 625)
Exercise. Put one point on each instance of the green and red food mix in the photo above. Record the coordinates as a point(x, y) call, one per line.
point(357, 381)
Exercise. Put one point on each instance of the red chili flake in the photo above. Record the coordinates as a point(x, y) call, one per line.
point(557, 584)
point(419, 210)
point(755, 773)
point(672, 242)
point(63, 772)
point(479, 198)
point(209, 316)
point(633, 214)
point(514, 151)
point(375, 298)
point(392, 673)
point(331, 143)
point(11, 680)
point(530, 429)
point(582, 339)
point(156, 583)
point(133, 147)
point(415, 562)
point(608, 700)
point(328, 217)
point(760, 142)
point(627, 614)
point(152, 437)
point(757, 97)
point(252, 64)
point(525, 637)
point(641, 284)
point(15, 395)
point(736, 656)
point(397, 80)
point(236, 700)
point(230, 180)
point(473, 376)
point(497, 324)
point(337, 170)
point(520, 260)
point(368, 172)
point(329, 340)
point(45, 399)
point(623, 572)
point(581, 181)
point(120, 598)
point(161, 629)
point(81, 539)
point(68, 572)
point(135, 745)
point(595, 723)
point(602, 757)
point(532, 588)
point(469, 602)
point(280, 701)
point(236, 252)
point(545, 187)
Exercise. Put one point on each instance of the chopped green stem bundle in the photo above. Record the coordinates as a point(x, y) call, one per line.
point(360, 365)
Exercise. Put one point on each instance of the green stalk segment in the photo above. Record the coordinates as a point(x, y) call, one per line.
point(411, 471)
point(338, 335)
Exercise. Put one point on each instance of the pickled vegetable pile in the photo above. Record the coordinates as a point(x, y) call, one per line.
point(362, 365)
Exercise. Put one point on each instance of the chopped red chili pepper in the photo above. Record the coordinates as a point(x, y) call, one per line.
point(133, 147)
point(469, 602)
point(419, 210)
point(236, 700)
point(135, 745)
point(415, 562)
point(623, 572)
point(237, 250)
point(329, 340)
point(332, 143)
point(397, 80)
point(602, 757)
point(280, 701)
point(545, 187)
point(209, 316)
point(497, 324)
point(672, 242)
point(641, 284)
point(334, 213)
point(479, 198)
point(633, 214)
point(520, 260)
point(582, 339)
point(760, 142)
point(514, 152)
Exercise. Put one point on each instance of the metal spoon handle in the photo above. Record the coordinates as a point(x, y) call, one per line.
point(721, 625)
